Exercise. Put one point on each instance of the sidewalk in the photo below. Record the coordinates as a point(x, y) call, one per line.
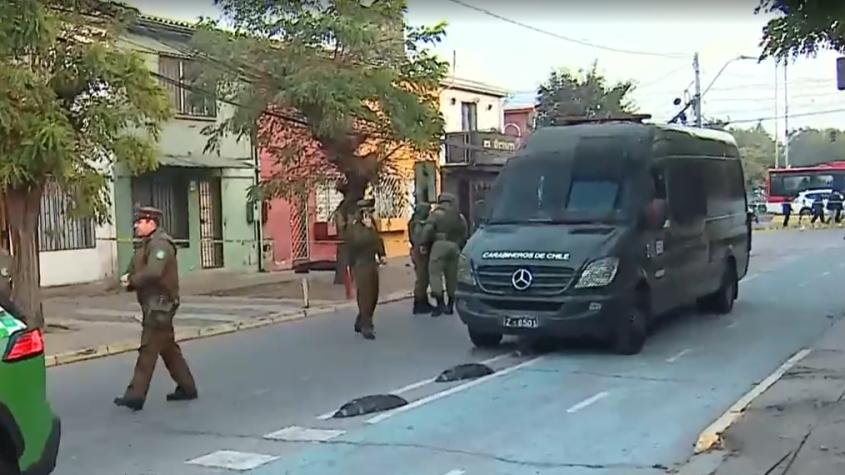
point(775, 222)
point(96, 320)
point(797, 426)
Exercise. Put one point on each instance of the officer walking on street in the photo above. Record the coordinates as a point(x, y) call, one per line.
point(366, 253)
point(419, 256)
point(154, 276)
point(445, 234)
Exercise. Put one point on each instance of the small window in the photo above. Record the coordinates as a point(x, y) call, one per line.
point(469, 116)
point(180, 73)
point(687, 195)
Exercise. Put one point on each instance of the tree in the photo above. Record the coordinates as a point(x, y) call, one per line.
point(337, 74)
point(757, 150)
point(71, 105)
point(811, 147)
point(802, 27)
point(585, 94)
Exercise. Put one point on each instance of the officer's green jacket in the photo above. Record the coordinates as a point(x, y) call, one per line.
point(446, 223)
point(417, 223)
point(364, 244)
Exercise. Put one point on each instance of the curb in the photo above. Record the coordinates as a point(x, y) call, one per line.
point(712, 436)
point(126, 346)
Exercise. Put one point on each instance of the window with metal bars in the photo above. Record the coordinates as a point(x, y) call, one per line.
point(58, 231)
point(185, 101)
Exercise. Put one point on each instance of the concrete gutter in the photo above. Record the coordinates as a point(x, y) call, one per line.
point(209, 331)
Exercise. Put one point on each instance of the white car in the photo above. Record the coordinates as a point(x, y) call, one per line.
point(803, 204)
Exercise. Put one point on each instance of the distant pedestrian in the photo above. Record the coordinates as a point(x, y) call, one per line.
point(154, 276)
point(366, 254)
point(834, 207)
point(817, 209)
point(445, 234)
point(786, 208)
point(419, 257)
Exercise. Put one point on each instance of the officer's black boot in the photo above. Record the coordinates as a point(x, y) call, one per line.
point(450, 306)
point(422, 306)
point(418, 309)
point(134, 404)
point(439, 307)
point(368, 333)
point(181, 395)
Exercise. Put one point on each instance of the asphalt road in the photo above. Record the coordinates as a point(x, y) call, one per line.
point(576, 410)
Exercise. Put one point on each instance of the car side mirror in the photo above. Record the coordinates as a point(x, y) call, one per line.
point(655, 214)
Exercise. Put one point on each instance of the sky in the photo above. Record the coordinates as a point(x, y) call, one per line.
point(516, 45)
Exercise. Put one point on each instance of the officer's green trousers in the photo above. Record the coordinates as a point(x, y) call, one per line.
point(443, 266)
point(420, 274)
point(366, 290)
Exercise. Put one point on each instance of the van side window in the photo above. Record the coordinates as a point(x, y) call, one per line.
point(687, 195)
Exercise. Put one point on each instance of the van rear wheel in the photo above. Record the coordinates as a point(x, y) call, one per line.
point(723, 300)
point(485, 339)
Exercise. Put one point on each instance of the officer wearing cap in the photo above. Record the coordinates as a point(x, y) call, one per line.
point(366, 253)
point(446, 234)
point(154, 276)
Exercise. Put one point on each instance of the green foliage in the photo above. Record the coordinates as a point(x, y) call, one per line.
point(585, 94)
point(811, 146)
point(757, 149)
point(347, 74)
point(802, 27)
point(71, 102)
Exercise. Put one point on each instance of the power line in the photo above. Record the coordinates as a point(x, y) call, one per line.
point(804, 114)
point(566, 38)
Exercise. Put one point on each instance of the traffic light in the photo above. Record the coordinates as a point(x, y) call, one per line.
point(840, 73)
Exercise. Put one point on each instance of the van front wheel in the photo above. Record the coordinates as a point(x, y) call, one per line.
point(630, 335)
point(485, 339)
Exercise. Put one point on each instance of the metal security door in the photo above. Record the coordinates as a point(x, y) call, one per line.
point(299, 242)
point(211, 224)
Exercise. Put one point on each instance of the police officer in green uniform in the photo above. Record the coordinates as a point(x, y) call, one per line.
point(154, 276)
point(366, 253)
point(419, 257)
point(446, 234)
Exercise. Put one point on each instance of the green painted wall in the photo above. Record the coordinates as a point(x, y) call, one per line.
point(183, 137)
point(240, 249)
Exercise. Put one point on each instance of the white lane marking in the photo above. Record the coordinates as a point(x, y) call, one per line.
point(450, 391)
point(711, 435)
point(587, 402)
point(418, 384)
point(802, 285)
point(232, 460)
point(678, 355)
point(304, 434)
point(750, 277)
point(825, 274)
point(842, 265)
point(456, 472)
point(732, 325)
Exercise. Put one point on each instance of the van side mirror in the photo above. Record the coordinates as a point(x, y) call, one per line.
point(655, 214)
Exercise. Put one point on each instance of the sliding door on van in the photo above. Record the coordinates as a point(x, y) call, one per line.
point(687, 197)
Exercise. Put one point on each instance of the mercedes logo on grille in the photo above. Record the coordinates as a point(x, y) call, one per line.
point(521, 279)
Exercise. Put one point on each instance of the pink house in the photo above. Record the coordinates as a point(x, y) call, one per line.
point(519, 121)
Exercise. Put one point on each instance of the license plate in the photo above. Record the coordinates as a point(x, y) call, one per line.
point(521, 322)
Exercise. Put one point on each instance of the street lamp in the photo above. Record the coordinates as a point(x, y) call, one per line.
point(695, 101)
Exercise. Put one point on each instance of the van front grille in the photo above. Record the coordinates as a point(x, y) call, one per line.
point(546, 280)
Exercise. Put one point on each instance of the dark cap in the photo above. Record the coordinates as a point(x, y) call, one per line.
point(147, 212)
point(366, 203)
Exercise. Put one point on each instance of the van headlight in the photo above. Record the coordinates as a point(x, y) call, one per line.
point(465, 274)
point(598, 273)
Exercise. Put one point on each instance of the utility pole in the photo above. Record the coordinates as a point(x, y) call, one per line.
point(777, 122)
point(697, 98)
point(785, 116)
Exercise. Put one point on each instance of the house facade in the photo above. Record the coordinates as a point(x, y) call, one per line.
point(519, 121)
point(204, 195)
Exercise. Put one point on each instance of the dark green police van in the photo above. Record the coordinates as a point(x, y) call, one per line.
point(597, 229)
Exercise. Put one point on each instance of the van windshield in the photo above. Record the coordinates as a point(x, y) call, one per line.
point(556, 188)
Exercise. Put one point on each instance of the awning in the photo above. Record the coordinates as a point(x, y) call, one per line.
point(204, 161)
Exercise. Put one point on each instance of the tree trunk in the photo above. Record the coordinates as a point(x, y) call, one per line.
point(24, 206)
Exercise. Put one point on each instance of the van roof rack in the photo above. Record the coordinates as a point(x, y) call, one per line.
point(575, 120)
